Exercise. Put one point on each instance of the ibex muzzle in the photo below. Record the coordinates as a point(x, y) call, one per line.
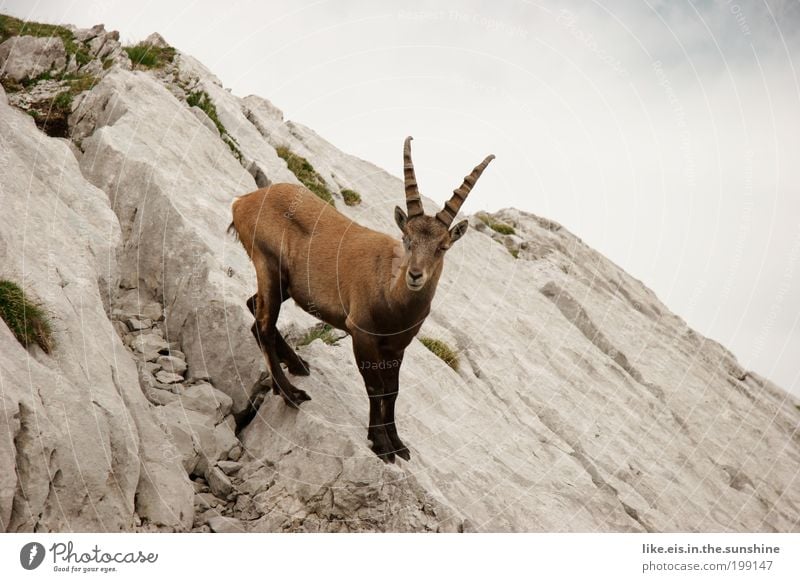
point(349, 277)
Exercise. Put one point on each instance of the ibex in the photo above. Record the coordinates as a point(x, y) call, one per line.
point(363, 282)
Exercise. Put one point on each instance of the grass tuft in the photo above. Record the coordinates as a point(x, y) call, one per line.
point(444, 352)
point(26, 320)
point(203, 101)
point(305, 172)
point(496, 225)
point(148, 56)
point(351, 197)
point(323, 332)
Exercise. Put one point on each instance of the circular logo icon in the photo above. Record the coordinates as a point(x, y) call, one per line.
point(31, 555)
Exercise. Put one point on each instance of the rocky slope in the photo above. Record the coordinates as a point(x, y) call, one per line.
point(579, 402)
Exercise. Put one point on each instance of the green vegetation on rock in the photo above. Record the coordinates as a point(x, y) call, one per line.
point(149, 56)
point(201, 100)
point(444, 352)
point(10, 26)
point(26, 320)
point(323, 332)
point(305, 172)
point(351, 197)
point(496, 225)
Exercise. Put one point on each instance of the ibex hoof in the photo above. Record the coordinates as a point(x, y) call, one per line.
point(383, 450)
point(403, 453)
point(295, 398)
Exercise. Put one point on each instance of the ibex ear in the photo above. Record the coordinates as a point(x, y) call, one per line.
point(458, 230)
point(400, 218)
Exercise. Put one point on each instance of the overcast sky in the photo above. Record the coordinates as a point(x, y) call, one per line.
point(665, 134)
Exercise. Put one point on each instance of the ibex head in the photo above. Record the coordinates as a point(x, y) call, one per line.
point(427, 238)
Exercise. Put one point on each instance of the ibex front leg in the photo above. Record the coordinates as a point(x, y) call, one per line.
point(391, 390)
point(368, 359)
point(381, 372)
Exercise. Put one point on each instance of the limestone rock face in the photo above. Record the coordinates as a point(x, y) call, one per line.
point(81, 449)
point(579, 402)
point(179, 180)
point(27, 57)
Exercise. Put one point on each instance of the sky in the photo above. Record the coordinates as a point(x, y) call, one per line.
point(665, 134)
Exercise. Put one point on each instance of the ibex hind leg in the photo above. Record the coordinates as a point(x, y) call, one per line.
point(267, 308)
point(295, 364)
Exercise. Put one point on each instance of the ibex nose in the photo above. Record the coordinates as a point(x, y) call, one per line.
point(415, 274)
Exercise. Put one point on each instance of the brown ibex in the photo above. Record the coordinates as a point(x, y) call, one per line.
point(364, 282)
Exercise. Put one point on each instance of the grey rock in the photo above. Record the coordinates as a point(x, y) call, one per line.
point(172, 364)
point(156, 40)
point(120, 328)
point(235, 453)
point(151, 367)
point(579, 403)
point(27, 57)
point(229, 467)
point(225, 438)
point(159, 397)
point(135, 324)
point(204, 119)
point(148, 343)
point(87, 415)
point(200, 503)
point(207, 400)
point(209, 500)
point(165, 377)
point(221, 524)
point(219, 482)
point(199, 486)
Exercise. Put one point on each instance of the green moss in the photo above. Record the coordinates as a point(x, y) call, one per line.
point(305, 172)
point(10, 26)
point(63, 101)
point(148, 56)
point(444, 352)
point(514, 253)
point(323, 332)
point(81, 83)
point(46, 76)
point(107, 63)
point(26, 320)
point(351, 197)
point(496, 225)
point(203, 101)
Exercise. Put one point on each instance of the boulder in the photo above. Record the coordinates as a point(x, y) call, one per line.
point(27, 57)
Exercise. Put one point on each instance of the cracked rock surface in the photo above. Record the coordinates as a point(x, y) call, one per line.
point(580, 402)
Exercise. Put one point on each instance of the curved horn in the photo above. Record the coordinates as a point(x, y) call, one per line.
point(451, 207)
point(413, 202)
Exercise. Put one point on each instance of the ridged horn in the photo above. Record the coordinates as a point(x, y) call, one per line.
point(452, 206)
point(413, 202)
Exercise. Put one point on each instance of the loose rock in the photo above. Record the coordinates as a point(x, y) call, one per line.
point(219, 482)
point(172, 364)
point(167, 377)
